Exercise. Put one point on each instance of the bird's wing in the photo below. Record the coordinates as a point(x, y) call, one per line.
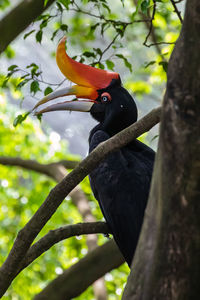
point(121, 186)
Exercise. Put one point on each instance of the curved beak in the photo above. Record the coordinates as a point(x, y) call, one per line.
point(88, 81)
point(75, 105)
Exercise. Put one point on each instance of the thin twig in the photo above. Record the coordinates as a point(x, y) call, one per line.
point(160, 43)
point(101, 17)
point(106, 49)
point(178, 1)
point(152, 33)
point(33, 165)
point(151, 23)
point(176, 10)
point(55, 236)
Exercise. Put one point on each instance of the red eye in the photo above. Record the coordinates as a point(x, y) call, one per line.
point(105, 97)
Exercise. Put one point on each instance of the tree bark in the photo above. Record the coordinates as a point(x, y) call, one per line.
point(167, 261)
point(57, 235)
point(13, 23)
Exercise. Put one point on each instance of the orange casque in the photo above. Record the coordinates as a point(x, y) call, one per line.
point(81, 74)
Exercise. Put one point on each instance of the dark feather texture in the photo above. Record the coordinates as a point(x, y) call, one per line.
point(121, 185)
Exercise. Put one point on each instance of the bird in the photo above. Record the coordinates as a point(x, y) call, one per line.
point(121, 182)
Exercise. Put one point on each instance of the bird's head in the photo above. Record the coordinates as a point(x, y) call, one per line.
point(107, 101)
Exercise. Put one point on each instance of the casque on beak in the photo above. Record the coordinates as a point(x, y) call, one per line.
point(88, 81)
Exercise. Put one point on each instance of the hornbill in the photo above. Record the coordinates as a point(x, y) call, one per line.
point(121, 182)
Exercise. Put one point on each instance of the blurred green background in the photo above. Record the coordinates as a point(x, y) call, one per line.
point(101, 33)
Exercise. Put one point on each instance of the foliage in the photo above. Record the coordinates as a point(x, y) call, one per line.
point(100, 34)
point(117, 28)
point(4, 4)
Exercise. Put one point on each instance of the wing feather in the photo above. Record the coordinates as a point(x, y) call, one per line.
point(121, 185)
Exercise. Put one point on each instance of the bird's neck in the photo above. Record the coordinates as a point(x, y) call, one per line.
point(109, 130)
point(95, 129)
point(114, 124)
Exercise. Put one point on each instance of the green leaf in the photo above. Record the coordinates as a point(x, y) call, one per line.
point(66, 3)
point(98, 51)
point(126, 62)
point(93, 27)
point(9, 52)
point(48, 90)
point(38, 36)
point(34, 69)
point(110, 64)
point(12, 67)
point(4, 83)
point(155, 137)
point(35, 87)
point(20, 118)
point(42, 17)
point(45, 2)
point(81, 60)
point(103, 26)
point(31, 65)
point(120, 56)
point(22, 83)
point(59, 7)
point(4, 4)
point(29, 33)
point(136, 10)
point(101, 66)
point(144, 6)
point(120, 31)
point(39, 117)
point(164, 64)
point(54, 34)
point(64, 27)
point(106, 7)
point(88, 54)
point(149, 64)
point(44, 23)
point(128, 65)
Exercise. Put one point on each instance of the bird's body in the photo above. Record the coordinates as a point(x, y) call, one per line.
point(121, 182)
point(121, 185)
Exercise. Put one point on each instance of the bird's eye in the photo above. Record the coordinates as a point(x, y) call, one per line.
point(105, 97)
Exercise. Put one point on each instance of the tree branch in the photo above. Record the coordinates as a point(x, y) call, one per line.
point(151, 29)
point(94, 265)
point(57, 172)
point(151, 23)
point(13, 23)
point(33, 165)
point(26, 235)
point(58, 235)
point(166, 263)
point(152, 33)
point(160, 43)
point(176, 10)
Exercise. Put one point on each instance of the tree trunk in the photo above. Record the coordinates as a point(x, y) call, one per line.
point(19, 19)
point(167, 261)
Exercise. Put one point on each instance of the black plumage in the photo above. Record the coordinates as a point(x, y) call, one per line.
point(121, 182)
